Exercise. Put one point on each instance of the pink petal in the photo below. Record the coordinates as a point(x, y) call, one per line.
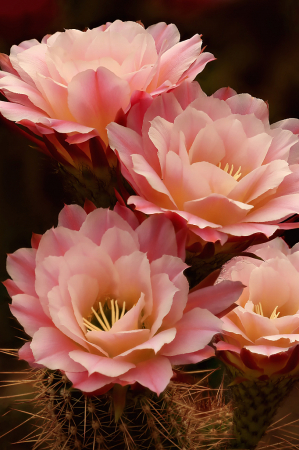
point(29, 312)
point(119, 343)
point(165, 36)
point(260, 181)
point(51, 348)
point(11, 287)
point(163, 294)
point(86, 383)
point(174, 268)
point(217, 209)
point(154, 374)
point(193, 358)
point(99, 221)
point(6, 64)
point(283, 142)
point(116, 243)
point(176, 60)
point(151, 235)
point(25, 353)
point(276, 209)
point(96, 364)
point(21, 267)
point(186, 93)
point(72, 217)
point(127, 215)
point(224, 93)
point(57, 241)
point(194, 332)
point(96, 97)
point(215, 298)
point(16, 113)
point(246, 104)
point(197, 66)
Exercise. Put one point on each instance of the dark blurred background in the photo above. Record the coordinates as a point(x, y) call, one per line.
point(256, 43)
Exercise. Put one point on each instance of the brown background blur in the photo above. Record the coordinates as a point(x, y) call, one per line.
point(256, 43)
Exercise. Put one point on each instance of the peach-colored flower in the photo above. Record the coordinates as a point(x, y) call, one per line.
point(75, 83)
point(261, 335)
point(106, 301)
point(215, 162)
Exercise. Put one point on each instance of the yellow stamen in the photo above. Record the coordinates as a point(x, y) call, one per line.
point(226, 168)
point(116, 311)
point(237, 174)
point(104, 317)
point(100, 320)
point(259, 309)
point(90, 325)
point(112, 313)
point(123, 310)
point(275, 314)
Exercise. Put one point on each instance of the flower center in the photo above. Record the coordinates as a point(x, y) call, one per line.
point(237, 174)
point(104, 318)
point(259, 310)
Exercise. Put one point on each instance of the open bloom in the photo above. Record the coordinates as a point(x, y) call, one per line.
point(261, 335)
point(106, 301)
point(214, 162)
point(76, 82)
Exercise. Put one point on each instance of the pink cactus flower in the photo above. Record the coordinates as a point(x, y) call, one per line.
point(214, 162)
point(106, 301)
point(261, 335)
point(75, 83)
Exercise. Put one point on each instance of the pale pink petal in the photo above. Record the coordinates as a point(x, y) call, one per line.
point(176, 60)
point(97, 364)
point(86, 383)
point(276, 209)
point(186, 93)
point(218, 209)
point(197, 67)
point(96, 107)
point(154, 374)
point(16, 113)
point(56, 94)
point(51, 348)
point(281, 145)
point(25, 353)
point(6, 65)
point(121, 342)
point(29, 312)
point(11, 287)
point(246, 104)
point(215, 298)
point(224, 93)
point(131, 288)
point(21, 267)
point(194, 331)
point(16, 90)
point(165, 36)
point(174, 269)
point(127, 215)
point(151, 235)
point(72, 217)
point(99, 221)
point(116, 243)
point(163, 294)
point(57, 241)
point(193, 358)
point(260, 180)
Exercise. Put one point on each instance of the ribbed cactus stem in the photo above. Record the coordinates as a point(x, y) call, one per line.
point(256, 403)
